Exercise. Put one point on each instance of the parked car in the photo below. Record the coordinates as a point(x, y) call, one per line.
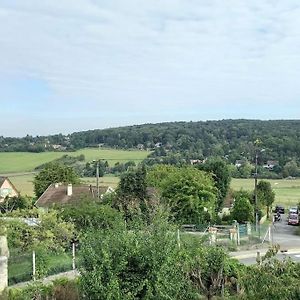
point(279, 208)
point(293, 219)
point(294, 210)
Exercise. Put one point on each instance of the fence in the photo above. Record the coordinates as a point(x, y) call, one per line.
point(26, 266)
point(230, 236)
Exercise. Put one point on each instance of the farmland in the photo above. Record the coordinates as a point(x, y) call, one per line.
point(287, 192)
point(18, 162)
point(19, 166)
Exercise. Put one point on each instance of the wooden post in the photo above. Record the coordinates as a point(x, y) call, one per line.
point(33, 265)
point(73, 256)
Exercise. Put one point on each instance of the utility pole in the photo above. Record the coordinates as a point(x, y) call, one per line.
point(97, 179)
point(257, 150)
point(255, 194)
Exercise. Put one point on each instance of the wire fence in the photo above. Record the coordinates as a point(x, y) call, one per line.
point(29, 265)
point(232, 237)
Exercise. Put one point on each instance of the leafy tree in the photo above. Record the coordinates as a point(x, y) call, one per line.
point(190, 193)
point(242, 210)
point(145, 263)
point(133, 183)
point(291, 169)
point(273, 279)
point(90, 169)
point(50, 232)
point(221, 175)
point(89, 214)
point(14, 203)
point(131, 195)
point(212, 271)
point(53, 173)
point(265, 194)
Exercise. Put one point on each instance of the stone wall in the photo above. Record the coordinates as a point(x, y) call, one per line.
point(4, 254)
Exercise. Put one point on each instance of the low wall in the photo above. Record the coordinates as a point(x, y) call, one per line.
point(4, 254)
point(3, 273)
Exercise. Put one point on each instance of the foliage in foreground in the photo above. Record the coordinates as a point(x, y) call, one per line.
point(61, 289)
point(273, 279)
point(145, 263)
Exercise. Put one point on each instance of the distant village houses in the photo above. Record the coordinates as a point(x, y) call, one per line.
point(271, 164)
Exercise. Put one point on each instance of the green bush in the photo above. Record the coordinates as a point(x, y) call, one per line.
point(61, 289)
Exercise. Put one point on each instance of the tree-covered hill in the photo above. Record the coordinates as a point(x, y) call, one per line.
point(232, 139)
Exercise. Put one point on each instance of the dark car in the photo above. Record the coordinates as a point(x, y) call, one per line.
point(279, 208)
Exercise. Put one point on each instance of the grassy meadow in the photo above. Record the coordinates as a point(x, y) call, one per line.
point(287, 192)
point(20, 162)
point(19, 166)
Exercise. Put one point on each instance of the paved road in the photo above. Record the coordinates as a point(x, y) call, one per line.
point(249, 257)
point(281, 234)
point(284, 234)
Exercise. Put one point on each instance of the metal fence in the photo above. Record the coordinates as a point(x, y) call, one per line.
point(231, 236)
point(30, 265)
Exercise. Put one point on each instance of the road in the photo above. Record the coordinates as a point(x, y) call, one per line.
point(281, 234)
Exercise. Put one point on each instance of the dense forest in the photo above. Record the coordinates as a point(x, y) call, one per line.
point(231, 139)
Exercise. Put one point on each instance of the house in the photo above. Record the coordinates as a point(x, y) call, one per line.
point(7, 189)
point(239, 163)
point(197, 161)
point(140, 146)
point(62, 194)
point(271, 164)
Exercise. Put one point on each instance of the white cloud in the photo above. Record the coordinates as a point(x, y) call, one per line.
point(122, 56)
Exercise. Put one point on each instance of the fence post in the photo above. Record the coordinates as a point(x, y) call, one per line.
point(178, 238)
point(33, 265)
point(73, 256)
point(233, 234)
point(238, 233)
point(212, 235)
point(248, 228)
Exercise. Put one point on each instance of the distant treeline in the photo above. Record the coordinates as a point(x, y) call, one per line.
point(231, 139)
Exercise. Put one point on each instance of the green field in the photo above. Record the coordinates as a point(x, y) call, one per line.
point(18, 166)
point(23, 183)
point(18, 162)
point(287, 192)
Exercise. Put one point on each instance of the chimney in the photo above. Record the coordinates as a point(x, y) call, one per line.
point(69, 189)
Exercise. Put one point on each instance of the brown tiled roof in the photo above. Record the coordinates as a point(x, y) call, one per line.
point(58, 195)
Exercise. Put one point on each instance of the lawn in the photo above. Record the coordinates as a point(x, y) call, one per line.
point(287, 192)
point(23, 183)
point(19, 162)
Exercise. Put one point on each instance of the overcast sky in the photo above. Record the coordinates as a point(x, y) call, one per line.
point(70, 65)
